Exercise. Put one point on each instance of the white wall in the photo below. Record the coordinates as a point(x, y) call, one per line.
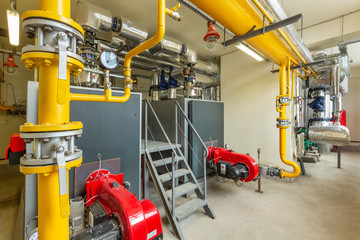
point(249, 90)
point(351, 105)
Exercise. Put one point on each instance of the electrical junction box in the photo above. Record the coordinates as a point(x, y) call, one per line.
point(97, 214)
point(223, 168)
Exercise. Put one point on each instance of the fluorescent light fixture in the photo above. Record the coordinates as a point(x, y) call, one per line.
point(249, 51)
point(13, 19)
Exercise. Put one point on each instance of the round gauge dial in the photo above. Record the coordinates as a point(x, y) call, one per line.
point(33, 235)
point(108, 60)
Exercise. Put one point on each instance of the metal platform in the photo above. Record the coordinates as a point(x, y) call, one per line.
point(155, 146)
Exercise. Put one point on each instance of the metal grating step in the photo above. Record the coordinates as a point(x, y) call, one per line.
point(188, 208)
point(181, 190)
point(178, 173)
point(165, 161)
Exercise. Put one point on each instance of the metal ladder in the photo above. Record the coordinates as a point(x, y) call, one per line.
point(177, 167)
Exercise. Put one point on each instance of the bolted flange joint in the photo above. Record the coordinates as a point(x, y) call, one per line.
point(283, 123)
point(284, 100)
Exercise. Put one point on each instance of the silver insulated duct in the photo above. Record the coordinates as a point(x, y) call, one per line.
point(93, 18)
point(335, 135)
point(280, 14)
point(328, 132)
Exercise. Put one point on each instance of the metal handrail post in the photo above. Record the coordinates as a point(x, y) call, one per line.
point(161, 126)
point(193, 128)
point(204, 160)
point(146, 125)
point(173, 185)
point(176, 125)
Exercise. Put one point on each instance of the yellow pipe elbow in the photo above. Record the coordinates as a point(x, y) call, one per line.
point(7, 108)
point(107, 97)
point(160, 32)
point(296, 169)
point(283, 82)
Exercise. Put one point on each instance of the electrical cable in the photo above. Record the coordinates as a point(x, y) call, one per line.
point(91, 198)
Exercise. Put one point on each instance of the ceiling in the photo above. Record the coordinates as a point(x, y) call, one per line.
point(192, 28)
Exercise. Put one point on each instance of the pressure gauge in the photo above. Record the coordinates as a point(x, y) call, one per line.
point(33, 235)
point(108, 60)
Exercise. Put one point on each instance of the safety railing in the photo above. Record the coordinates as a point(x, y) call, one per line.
point(173, 148)
point(178, 110)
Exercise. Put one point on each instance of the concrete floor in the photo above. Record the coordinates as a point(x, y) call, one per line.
point(324, 204)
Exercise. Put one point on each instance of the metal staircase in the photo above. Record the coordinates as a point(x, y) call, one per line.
point(173, 177)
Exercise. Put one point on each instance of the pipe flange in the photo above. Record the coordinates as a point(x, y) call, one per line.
point(283, 123)
point(30, 127)
point(50, 16)
point(28, 160)
point(43, 135)
point(284, 100)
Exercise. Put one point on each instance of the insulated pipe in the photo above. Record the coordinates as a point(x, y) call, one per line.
point(239, 17)
point(282, 116)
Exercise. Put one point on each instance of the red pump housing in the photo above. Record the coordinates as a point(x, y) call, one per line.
point(140, 220)
point(233, 159)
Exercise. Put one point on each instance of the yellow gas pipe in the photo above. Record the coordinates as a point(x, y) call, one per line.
point(53, 112)
point(284, 92)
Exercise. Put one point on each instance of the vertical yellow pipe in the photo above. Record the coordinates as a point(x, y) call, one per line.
point(60, 7)
point(282, 116)
point(50, 224)
point(160, 32)
point(52, 110)
point(49, 110)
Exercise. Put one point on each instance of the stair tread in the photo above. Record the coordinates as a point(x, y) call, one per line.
point(189, 208)
point(182, 189)
point(178, 173)
point(165, 161)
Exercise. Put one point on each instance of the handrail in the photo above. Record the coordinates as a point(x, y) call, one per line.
point(193, 128)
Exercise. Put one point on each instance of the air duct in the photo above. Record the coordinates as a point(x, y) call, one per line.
point(167, 46)
point(130, 30)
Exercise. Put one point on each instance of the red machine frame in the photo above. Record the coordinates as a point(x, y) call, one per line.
point(222, 154)
point(140, 220)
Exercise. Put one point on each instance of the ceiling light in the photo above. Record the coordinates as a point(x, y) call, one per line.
point(13, 19)
point(249, 51)
point(211, 37)
point(10, 65)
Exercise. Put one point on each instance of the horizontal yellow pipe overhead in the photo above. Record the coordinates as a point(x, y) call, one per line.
point(239, 16)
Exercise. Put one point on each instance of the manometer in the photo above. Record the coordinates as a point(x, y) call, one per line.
point(108, 60)
point(33, 235)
